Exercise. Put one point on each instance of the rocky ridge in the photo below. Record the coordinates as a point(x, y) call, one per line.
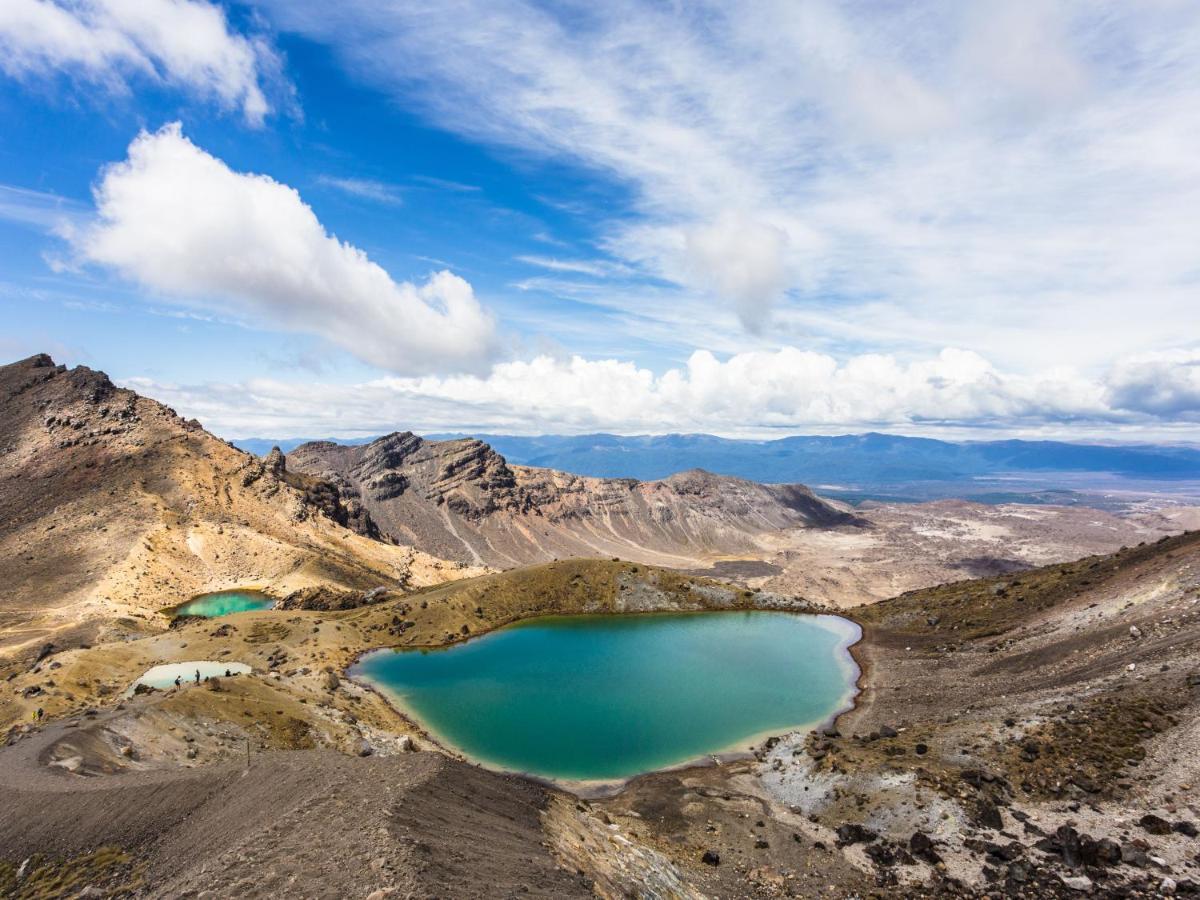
point(112, 507)
point(462, 500)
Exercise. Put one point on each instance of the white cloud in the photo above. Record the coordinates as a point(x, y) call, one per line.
point(1163, 384)
point(597, 268)
point(1013, 168)
point(182, 223)
point(778, 392)
point(366, 188)
point(38, 208)
point(743, 260)
point(184, 43)
point(457, 187)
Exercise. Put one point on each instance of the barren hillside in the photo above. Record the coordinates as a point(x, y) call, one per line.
point(460, 500)
point(112, 506)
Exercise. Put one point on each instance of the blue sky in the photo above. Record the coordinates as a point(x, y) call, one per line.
point(290, 218)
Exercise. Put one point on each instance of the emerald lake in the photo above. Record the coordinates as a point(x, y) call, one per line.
point(606, 697)
point(222, 603)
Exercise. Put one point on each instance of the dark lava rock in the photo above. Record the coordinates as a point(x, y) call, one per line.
point(761, 844)
point(882, 854)
point(1075, 849)
point(887, 731)
point(853, 833)
point(1186, 828)
point(1019, 871)
point(1005, 852)
point(711, 858)
point(1084, 783)
point(1070, 846)
point(921, 846)
point(921, 749)
point(1132, 856)
point(1102, 853)
point(988, 816)
point(1155, 824)
point(831, 732)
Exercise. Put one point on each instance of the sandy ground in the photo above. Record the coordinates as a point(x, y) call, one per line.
point(958, 682)
point(912, 546)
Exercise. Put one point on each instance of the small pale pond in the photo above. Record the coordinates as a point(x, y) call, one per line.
point(164, 676)
point(606, 697)
point(222, 603)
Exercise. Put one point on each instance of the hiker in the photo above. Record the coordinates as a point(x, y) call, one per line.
point(197, 676)
point(41, 712)
point(228, 674)
point(178, 680)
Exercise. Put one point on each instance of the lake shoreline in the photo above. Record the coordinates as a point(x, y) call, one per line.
point(745, 747)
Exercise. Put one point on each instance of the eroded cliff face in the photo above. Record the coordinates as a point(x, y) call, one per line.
point(462, 500)
point(112, 507)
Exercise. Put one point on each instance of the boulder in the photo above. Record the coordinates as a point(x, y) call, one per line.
point(853, 833)
point(987, 815)
point(921, 846)
point(1155, 824)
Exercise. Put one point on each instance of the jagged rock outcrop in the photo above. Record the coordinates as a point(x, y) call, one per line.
point(460, 499)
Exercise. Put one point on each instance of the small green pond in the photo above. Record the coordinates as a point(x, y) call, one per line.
point(606, 697)
point(223, 603)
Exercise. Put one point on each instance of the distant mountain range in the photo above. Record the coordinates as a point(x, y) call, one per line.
point(857, 466)
point(461, 500)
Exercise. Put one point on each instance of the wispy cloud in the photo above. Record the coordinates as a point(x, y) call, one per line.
point(40, 209)
point(366, 188)
point(921, 163)
point(446, 184)
point(598, 268)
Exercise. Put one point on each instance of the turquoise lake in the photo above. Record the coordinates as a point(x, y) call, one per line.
point(607, 697)
point(223, 603)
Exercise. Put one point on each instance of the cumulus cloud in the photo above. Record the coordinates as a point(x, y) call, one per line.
point(184, 43)
point(756, 393)
point(927, 164)
point(1164, 384)
point(181, 222)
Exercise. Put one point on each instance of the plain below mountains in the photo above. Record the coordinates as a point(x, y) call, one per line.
point(460, 499)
